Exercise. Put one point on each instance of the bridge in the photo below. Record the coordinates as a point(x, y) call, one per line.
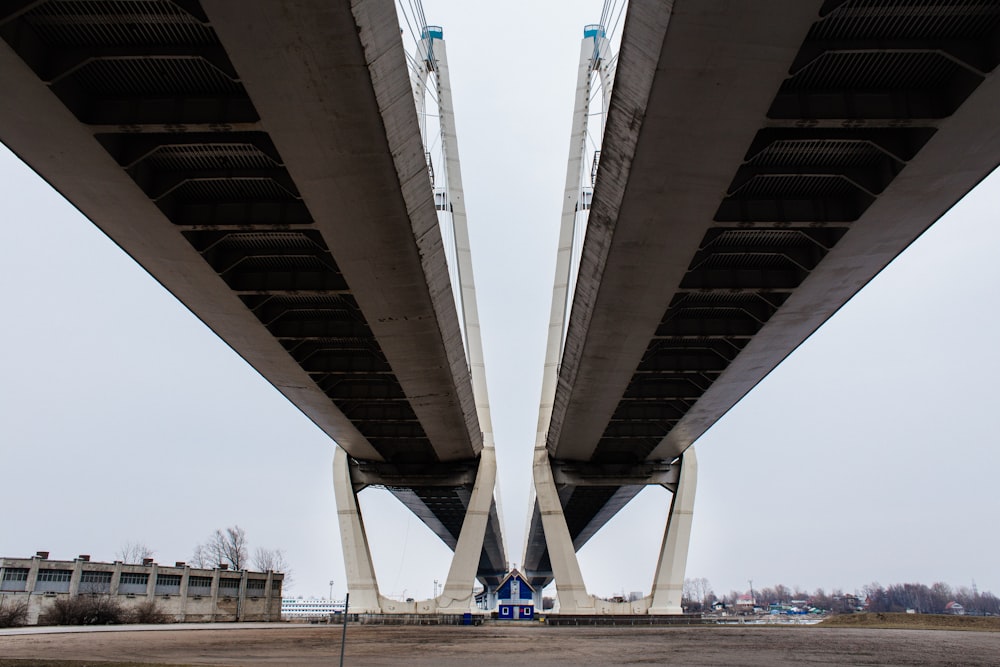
point(761, 163)
point(266, 163)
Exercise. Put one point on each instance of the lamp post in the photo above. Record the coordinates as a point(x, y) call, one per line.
point(331, 590)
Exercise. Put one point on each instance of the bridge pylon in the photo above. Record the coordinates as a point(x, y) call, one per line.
point(554, 481)
point(474, 479)
point(457, 595)
point(668, 582)
point(681, 478)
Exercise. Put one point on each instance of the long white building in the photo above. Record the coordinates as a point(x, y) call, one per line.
point(309, 608)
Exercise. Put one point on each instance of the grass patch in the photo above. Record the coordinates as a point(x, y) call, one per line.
point(912, 621)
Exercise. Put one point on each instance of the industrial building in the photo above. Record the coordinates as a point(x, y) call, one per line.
point(181, 592)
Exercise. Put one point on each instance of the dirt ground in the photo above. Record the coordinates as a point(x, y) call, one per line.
point(888, 620)
point(498, 644)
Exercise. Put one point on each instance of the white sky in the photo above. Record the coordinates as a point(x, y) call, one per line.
point(870, 455)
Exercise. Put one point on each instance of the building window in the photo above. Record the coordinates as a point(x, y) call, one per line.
point(15, 579)
point(53, 581)
point(131, 583)
point(256, 585)
point(229, 587)
point(92, 581)
point(199, 585)
point(168, 584)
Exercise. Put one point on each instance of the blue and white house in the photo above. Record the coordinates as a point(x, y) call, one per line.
point(515, 598)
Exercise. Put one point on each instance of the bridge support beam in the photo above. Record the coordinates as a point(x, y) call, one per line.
point(360, 570)
point(668, 582)
point(570, 588)
point(457, 595)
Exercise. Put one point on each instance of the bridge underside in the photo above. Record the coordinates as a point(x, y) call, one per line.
point(439, 495)
point(263, 162)
point(757, 170)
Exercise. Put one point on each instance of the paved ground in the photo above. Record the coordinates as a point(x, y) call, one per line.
point(519, 645)
point(166, 627)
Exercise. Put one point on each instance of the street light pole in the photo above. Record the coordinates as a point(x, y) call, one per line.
point(331, 590)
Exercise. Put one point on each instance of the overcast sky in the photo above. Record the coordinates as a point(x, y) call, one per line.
point(869, 455)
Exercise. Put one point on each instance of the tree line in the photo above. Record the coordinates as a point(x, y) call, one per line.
point(697, 595)
point(930, 599)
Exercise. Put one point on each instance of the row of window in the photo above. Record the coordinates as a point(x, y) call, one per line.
point(100, 581)
point(14, 579)
point(95, 577)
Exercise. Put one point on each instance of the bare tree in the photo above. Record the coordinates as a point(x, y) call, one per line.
point(273, 560)
point(13, 612)
point(821, 600)
point(202, 559)
point(702, 589)
point(689, 595)
point(764, 596)
point(224, 547)
point(696, 592)
point(269, 559)
point(133, 552)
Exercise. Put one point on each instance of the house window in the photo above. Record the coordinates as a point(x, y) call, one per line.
point(256, 585)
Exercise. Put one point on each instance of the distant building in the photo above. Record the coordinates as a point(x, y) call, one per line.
point(954, 608)
point(309, 609)
point(183, 593)
point(851, 602)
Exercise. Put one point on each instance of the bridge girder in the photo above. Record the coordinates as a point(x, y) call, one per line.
point(252, 157)
point(759, 168)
